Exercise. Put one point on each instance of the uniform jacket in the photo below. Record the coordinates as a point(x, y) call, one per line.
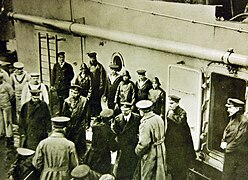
point(103, 141)
point(157, 96)
point(151, 147)
point(111, 91)
point(236, 134)
point(6, 95)
point(179, 144)
point(86, 84)
point(125, 93)
point(34, 123)
point(142, 91)
point(62, 76)
point(98, 77)
point(26, 95)
point(55, 157)
point(127, 138)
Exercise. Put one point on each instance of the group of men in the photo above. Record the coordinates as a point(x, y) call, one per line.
point(150, 142)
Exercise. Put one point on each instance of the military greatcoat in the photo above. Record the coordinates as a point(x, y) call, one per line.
point(179, 144)
point(127, 138)
point(236, 136)
point(55, 157)
point(151, 147)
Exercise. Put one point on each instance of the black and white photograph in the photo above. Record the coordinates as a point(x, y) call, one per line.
point(123, 89)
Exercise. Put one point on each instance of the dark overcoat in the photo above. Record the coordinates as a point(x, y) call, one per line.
point(236, 136)
point(103, 141)
point(35, 122)
point(127, 138)
point(62, 76)
point(98, 77)
point(179, 144)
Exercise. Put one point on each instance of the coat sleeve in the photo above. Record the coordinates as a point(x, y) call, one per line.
point(162, 104)
point(70, 74)
point(38, 159)
point(144, 140)
point(73, 157)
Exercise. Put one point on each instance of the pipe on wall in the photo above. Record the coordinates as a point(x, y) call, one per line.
point(173, 47)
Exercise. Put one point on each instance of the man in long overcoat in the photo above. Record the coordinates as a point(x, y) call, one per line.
point(76, 107)
point(126, 127)
point(103, 141)
point(98, 77)
point(179, 143)
point(62, 74)
point(235, 142)
point(56, 156)
point(151, 147)
point(34, 121)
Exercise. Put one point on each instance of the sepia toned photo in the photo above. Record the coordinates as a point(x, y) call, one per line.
point(123, 89)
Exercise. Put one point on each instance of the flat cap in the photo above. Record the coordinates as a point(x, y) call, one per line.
point(92, 54)
point(141, 72)
point(144, 104)
point(174, 98)
point(80, 171)
point(62, 53)
point(34, 74)
point(35, 92)
point(126, 105)
point(107, 113)
point(18, 65)
point(75, 87)
point(114, 66)
point(25, 151)
point(234, 102)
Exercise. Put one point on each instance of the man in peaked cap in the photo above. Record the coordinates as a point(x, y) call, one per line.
point(178, 140)
point(34, 121)
point(98, 75)
point(34, 83)
point(103, 141)
point(22, 168)
point(151, 147)
point(157, 96)
point(55, 156)
point(18, 79)
point(76, 107)
point(62, 75)
point(113, 81)
point(143, 85)
point(126, 127)
point(235, 142)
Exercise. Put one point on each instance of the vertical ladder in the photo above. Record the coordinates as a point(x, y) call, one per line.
point(48, 50)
